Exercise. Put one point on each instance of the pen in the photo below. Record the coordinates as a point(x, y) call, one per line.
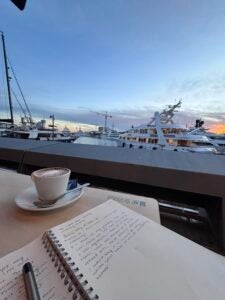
point(30, 282)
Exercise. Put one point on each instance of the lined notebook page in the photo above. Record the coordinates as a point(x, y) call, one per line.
point(124, 255)
point(50, 285)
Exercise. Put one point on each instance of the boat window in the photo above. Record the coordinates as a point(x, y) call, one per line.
point(202, 144)
point(182, 143)
point(165, 130)
point(142, 140)
point(153, 141)
point(172, 142)
point(144, 131)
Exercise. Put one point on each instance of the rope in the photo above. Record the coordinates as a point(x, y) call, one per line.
point(24, 100)
point(21, 107)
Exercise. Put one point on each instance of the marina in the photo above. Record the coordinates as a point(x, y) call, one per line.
point(161, 133)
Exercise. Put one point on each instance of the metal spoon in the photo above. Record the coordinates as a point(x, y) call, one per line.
point(47, 203)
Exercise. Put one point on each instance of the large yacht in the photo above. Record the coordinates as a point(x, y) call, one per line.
point(162, 133)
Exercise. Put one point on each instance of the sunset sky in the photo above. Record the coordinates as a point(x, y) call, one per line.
point(127, 57)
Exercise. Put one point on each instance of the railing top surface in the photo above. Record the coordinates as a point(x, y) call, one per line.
point(191, 162)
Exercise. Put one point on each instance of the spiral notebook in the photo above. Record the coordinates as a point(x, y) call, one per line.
point(111, 252)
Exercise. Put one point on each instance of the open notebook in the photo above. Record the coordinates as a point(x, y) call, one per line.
point(111, 252)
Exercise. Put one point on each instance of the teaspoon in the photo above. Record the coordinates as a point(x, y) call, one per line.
point(47, 203)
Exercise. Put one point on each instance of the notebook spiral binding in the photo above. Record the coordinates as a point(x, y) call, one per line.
point(68, 270)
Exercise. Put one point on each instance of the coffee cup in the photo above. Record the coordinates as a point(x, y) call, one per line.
point(51, 183)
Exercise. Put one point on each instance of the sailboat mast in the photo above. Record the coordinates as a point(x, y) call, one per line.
point(7, 80)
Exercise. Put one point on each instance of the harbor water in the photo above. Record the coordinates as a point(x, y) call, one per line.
point(95, 141)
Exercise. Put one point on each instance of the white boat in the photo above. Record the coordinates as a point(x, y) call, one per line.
point(218, 140)
point(5, 128)
point(110, 133)
point(38, 131)
point(162, 133)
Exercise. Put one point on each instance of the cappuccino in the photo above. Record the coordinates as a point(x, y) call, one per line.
point(53, 172)
point(51, 183)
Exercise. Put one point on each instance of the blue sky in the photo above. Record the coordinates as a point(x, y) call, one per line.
point(127, 57)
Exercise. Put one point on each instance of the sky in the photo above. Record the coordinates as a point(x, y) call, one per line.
point(129, 58)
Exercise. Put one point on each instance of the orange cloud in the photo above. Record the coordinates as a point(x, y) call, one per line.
point(218, 128)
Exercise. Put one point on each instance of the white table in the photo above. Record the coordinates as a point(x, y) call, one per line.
point(18, 227)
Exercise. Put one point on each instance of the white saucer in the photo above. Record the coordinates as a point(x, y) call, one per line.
point(26, 198)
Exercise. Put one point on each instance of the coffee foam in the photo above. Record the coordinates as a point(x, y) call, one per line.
point(51, 173)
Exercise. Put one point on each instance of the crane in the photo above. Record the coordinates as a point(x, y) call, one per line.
point(105, 115)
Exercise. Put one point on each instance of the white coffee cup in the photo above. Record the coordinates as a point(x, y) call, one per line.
point(51, 183)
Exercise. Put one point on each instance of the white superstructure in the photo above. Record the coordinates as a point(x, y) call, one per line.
point(218, 140)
